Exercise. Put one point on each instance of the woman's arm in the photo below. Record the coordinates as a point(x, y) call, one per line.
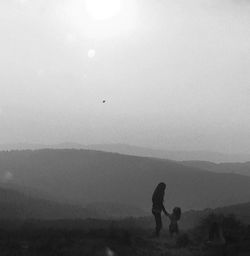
point(164, 210)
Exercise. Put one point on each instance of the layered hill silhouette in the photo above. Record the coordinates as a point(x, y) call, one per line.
point(180, 155)
point(238, 168)
point(21, 206)
point(85, 176)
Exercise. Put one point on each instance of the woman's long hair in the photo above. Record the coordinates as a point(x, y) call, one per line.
point(159, 192)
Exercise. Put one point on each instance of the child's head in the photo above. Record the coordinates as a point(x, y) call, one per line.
point(177, 213)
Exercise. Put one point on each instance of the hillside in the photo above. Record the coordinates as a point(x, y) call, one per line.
point(16, 205)
point(237, 168)
point(83, 177)
point(180, 155)
point(192, 218)
point(111, 210)
point(130, 236)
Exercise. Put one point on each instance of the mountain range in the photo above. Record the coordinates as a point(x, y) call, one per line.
point(85, 177)
point(237, 168)
point(180, 155)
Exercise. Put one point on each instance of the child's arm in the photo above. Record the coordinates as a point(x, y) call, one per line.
point(168, 215)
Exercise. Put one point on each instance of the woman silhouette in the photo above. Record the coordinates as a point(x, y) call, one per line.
point(158, 207)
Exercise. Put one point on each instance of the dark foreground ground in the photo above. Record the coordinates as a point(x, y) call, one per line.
point(110, 238)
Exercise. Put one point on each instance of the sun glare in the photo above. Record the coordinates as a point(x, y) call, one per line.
point(98, 19)
point(103, 9)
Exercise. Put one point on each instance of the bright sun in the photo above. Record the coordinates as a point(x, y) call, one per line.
point(103, 9)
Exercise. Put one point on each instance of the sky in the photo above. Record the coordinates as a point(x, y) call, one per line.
point(174, 74)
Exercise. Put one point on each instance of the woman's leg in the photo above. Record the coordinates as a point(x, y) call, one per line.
point(158, 223)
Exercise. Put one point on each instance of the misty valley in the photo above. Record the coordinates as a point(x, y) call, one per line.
point(89, 202)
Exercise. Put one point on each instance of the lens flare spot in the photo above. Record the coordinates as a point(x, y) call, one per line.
point(91, 53)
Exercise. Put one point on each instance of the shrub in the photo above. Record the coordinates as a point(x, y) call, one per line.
point(232, 228)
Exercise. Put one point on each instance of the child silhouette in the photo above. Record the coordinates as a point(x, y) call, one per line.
point(174, 217)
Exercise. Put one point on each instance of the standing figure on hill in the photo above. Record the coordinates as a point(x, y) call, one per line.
point(174, 217)
point(158, 207)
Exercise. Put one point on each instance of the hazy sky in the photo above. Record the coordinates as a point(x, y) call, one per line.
point(175, 74)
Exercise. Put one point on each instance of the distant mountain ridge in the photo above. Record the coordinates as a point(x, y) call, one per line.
point(171, 154)
point(137, 151)
point(37, 146)
point(237, 168)
point(87, 176)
